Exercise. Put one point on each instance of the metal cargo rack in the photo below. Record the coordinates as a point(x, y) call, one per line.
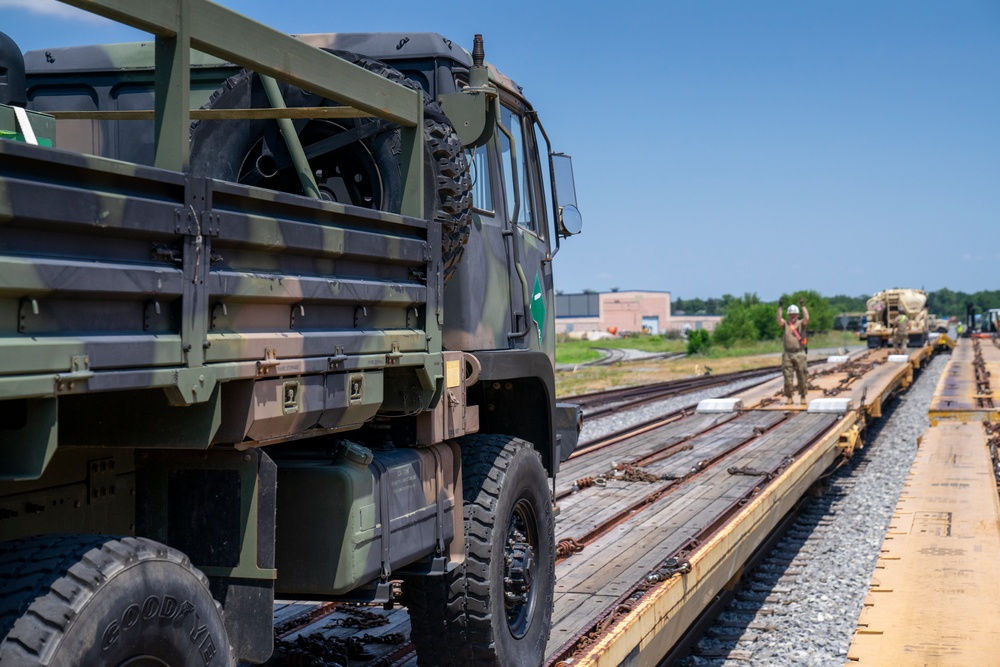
point(116, 277)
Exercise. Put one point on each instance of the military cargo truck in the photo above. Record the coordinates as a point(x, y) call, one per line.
point(884, 309)
point(299, 347)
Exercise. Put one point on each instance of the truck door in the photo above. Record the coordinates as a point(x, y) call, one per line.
point(527, 195)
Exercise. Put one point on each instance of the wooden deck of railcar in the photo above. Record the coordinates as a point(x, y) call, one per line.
point(651, 528)
point(935, 594)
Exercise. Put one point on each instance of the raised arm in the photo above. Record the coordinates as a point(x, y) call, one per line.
point(781, 306)
point(805, 312)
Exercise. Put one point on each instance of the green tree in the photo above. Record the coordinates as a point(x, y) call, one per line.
point(849, 304)
point(736, 325)
point(689, 306)
point(729, 301)
point(699, 341)
point(763, 316)
point(946, 303)
point(986, 299)
point(746, 319)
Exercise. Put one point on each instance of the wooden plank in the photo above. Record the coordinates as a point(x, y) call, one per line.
point(601, 506)
point(285, 610)
point(565, 604)
point(626, 542)
point(575, 613)
point(936, 592)
point(600, 461)
point(633, 549)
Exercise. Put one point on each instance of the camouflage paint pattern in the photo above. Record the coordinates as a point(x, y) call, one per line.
point(146, 309)
point(199, 282)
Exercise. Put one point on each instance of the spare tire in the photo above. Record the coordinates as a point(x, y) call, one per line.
point(356, 161)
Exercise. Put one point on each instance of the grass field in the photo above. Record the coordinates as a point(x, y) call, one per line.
point(582, 351)
point(584, 379)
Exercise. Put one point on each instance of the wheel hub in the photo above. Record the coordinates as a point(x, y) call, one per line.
point(520, 563)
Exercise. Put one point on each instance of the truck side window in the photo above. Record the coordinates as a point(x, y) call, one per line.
point(479, 169)
point(513, 123)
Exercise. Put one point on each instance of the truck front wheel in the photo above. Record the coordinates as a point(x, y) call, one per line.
point(97, 600)
point(494, 609)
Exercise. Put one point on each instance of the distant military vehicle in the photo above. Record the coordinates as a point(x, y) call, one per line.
point(303, 347)
point(884, 309)
point(938, 324)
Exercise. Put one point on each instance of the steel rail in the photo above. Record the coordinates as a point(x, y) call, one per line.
point(612, 400)
point(638, 394)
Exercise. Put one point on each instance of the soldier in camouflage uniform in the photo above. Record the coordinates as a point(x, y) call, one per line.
point(899, 335)
point(793, 360)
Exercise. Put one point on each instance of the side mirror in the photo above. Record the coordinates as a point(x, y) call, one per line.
point(570, 220)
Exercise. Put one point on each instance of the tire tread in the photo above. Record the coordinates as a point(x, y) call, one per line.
point(58, 576)
point(457, 610)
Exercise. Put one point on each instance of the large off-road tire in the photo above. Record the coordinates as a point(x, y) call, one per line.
point(362, 170)
point(874, 342)
point(496, 608)
point(74, 600)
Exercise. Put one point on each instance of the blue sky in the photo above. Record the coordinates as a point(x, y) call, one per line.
point(726, 146)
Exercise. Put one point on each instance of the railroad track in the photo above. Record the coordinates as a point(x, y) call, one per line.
point(615, 355)
point(665, 390)
point(600, 403)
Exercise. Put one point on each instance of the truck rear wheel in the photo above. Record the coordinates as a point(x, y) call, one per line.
point(355, 161)
point(494, 609)
point(72, 600)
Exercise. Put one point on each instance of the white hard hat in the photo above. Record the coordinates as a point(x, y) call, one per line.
point(793, 309)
